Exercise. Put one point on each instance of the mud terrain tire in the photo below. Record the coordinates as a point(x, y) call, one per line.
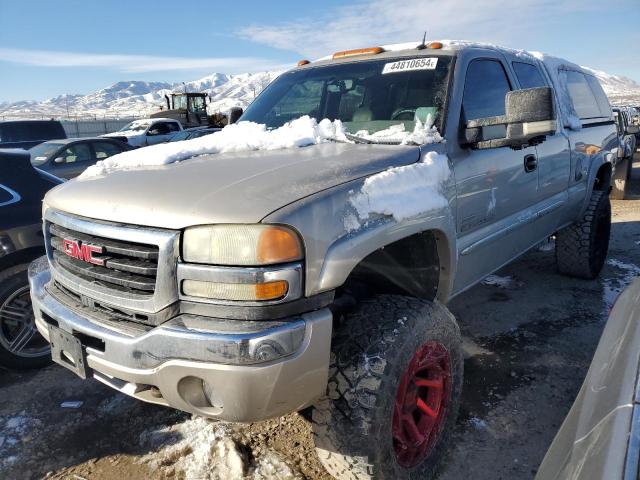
point(620, 179)
point(581, 248)
point(356, 425)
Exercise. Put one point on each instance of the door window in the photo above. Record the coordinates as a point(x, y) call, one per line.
point(160, 128)
point(79, 152)
point(106, 149)
point(173, 127)
point(582, 97)
point(528, 75)
point(485, 87)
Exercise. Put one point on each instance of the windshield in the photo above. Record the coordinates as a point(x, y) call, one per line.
point(366, 96)
point(41, 153)
point(135, 126)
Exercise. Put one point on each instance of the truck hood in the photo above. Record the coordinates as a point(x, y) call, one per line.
point(224, 188)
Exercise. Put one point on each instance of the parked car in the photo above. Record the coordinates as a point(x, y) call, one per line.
point(69, 158)
point(600, 438)
point(22, 188)
point(250, 284)
point(624, 159)
point(150, 131)
point(28, 133)
point(191, 133)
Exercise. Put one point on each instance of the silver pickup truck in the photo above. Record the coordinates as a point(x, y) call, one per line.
point(247, 285)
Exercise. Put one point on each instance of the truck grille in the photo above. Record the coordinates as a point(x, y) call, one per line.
point(125, 266)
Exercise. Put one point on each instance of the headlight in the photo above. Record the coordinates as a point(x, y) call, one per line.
point(240, 245)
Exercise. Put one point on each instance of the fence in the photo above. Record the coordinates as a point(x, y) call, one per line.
point(81, 126)
point(93, 128)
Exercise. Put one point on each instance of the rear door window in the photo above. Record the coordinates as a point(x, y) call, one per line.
point(105, 149)
point(529, 75)
point(582, 96)
point(79, 152)
point(601, 97)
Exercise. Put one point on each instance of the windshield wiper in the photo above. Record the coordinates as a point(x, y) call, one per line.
point(368, 141)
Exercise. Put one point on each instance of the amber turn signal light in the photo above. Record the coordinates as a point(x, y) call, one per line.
point(358, 51)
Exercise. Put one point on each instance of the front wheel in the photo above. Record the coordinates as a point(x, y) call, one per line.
point(21, 346)
point(394, 389)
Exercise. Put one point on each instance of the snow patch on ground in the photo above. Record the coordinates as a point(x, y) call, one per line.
point(13, 432)
point(612, 287)
point(507, 282)
point(402, 192)
point(202, 449)
point(239, 137)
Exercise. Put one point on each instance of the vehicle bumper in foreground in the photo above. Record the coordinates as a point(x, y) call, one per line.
point(225, 369)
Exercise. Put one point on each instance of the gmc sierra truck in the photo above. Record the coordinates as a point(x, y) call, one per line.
point(246, 285)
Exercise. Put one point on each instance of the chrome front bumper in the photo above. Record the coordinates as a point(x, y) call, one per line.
point(226, 369)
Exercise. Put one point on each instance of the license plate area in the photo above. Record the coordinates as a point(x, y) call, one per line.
point(67, 350)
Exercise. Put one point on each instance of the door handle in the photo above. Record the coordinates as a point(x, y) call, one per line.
point(530, 163)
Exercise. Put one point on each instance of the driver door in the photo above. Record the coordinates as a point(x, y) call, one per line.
point(496, 193)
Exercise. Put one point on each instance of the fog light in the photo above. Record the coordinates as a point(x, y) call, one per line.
point(236, 291)
point(267, 351)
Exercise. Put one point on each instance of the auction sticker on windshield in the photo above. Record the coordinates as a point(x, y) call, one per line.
point(411, 64)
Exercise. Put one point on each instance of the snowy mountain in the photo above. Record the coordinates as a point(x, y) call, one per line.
point(137, 98)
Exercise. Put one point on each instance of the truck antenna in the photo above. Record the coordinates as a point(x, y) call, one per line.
point(423, 45)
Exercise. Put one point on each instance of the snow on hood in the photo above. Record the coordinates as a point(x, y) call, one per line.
point(249, 136)
point(422, 134)
point(239, 137)
point(401, 192)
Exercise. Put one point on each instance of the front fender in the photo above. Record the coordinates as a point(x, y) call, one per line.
point(334, 246)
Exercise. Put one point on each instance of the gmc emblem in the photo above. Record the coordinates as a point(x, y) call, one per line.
point(83, 252)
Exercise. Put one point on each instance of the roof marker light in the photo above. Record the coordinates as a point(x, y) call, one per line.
point(303, 62)
point(358, 51)
point(435, 45)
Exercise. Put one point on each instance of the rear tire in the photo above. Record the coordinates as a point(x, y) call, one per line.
point(361, 428)
point(581, 248)
point(17, 323)
point(620, 179)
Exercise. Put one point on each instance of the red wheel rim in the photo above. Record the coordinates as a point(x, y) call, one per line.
point(422, 402)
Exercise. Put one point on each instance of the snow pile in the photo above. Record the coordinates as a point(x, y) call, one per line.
point(13, 431)
point(203, 449)
point(422, 134)
point(506, 282)
point(402, 192)
point(239, 137)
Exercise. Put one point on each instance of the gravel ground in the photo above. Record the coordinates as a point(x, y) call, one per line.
point(529, 338)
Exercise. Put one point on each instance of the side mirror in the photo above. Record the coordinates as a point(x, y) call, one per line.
point(529, 118)
point(632, 129)
point(153, 132)
point(58, 160)
point(234, 114)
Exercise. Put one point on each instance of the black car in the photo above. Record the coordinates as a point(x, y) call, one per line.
point(22, 188)
point(28, 133)
point(70, 157)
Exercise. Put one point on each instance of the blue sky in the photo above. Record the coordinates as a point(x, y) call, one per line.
point(49, 48)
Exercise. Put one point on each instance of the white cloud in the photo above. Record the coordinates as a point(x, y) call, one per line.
point(133, 63)
point(391, 21)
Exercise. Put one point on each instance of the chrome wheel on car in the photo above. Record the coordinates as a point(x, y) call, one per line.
point(18, 333)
